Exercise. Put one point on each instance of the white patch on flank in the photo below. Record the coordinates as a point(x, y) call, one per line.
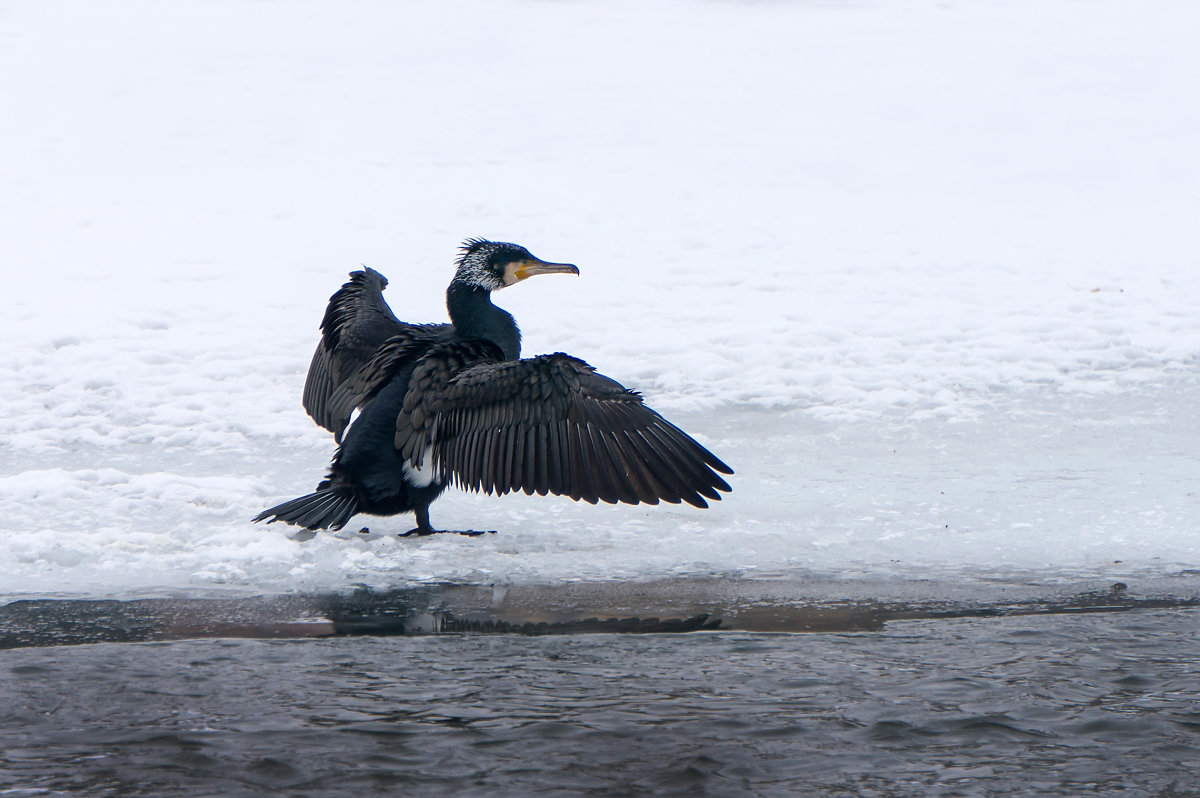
point(354, 416)
point(422, 476)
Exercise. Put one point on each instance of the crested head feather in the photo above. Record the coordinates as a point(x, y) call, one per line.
point(470, 244)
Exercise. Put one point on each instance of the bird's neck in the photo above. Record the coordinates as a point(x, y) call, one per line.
point(474, 316)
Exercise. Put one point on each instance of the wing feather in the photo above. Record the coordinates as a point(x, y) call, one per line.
point(472, 470)
point(319, 386)
point(640, 477)
point(528, 478)
point(604, 466)
point(492, 459)
point(539, 461)
point(701, 481)
point(554, 453)
point(681, 466)
point(519, 457)
point(665, 484)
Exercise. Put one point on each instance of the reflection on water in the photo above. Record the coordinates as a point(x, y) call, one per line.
point(1049, 704)
point(670, 605)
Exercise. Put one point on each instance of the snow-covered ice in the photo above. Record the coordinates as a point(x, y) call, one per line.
point(925, 273)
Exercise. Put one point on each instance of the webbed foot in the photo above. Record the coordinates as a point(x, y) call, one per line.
point(424, 528)
point(471, 533)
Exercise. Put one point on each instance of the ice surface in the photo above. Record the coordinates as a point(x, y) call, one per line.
point(925, 273)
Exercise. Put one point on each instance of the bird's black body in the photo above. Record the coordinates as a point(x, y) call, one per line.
point(418, 406)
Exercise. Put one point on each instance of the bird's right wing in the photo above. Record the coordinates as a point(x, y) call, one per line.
point(356, 324)
point(552, 424)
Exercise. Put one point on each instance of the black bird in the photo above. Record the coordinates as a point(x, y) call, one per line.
point(416, 407)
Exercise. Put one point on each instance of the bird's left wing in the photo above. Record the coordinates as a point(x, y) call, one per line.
point(356, 325)
point(552, 424)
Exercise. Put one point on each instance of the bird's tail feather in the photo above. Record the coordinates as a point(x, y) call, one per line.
point(327, 508)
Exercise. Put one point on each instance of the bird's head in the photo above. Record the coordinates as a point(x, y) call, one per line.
point(492, 265)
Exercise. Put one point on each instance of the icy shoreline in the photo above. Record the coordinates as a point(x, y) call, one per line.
point(1053, 487)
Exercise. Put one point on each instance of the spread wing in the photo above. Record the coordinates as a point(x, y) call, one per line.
point(356, 324)
point(551, 424)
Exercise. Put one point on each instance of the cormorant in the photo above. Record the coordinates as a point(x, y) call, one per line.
point(415, 407)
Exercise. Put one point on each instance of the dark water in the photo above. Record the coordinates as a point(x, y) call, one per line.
point(1051, 704)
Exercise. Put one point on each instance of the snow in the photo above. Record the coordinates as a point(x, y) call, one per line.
point(925, 273)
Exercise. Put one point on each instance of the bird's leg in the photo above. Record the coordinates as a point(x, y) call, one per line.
point(423, 528)
point(421, 511)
